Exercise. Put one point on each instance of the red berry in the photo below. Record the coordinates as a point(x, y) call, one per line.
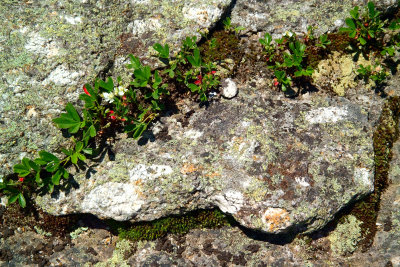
point(21, 179)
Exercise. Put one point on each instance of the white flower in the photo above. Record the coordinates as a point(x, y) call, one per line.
point(288, 34)
point(120, 90)
point(109, 97)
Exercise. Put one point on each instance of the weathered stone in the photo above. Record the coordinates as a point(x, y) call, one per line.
point(275, 165)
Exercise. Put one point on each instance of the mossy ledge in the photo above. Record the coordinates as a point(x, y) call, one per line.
point(177, 224)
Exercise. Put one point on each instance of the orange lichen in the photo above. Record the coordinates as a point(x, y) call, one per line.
point(276, 218)
point(212, 175)
point(188, 168)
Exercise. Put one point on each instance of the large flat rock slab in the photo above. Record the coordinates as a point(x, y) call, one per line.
point(275, 165)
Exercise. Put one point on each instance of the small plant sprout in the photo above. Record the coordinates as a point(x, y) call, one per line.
point(309, 36)
point(283, 79)
point(323, 41)
point(228, 26)
point(269, 48)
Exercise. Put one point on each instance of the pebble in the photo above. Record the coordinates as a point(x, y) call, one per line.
point(229, 89)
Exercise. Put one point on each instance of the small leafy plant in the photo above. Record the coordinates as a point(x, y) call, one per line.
point(323, 41)
point(376, 73)
point(286, 57)
point(269, 48)
point(230, 28)
point(188, 67)
point(367, 28)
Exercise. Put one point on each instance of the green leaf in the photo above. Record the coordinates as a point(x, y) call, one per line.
point(40, 161)
point(89, 101)
point(371, 33)
point(81, 157)
point(92, 92)
point(22, 170)
point(47, 156)
point(25, 162)
point(38, 180)
point(50, 187)
point(354, 13)
point(203, 97)
point(139, 130)
point(13, 198)
point(193, 87)
point(55, 179)
point(34, 166)
point(142, 76)
point(162, 50)
point(71, 111)
point(195, 60)
point(157, 80)
point(52, 166)
point(21, 200)
point(362, 41)
point(74, 158)
point(135, 62)
point(371, 9)
point(78, 146)
point(66, 151)
point(92, 131)
point(69, 120)
point(65, 173)
point(88, 151)
point(109, 85)
point(352, 34)
point(350, 23)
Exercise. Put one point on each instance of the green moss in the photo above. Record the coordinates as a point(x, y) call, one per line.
point(227, 47)
point(173, 224)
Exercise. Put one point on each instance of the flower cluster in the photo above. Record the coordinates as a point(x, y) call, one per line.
point(118, 91)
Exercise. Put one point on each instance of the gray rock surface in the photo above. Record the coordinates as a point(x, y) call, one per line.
point(49, 49)
point(275, 165)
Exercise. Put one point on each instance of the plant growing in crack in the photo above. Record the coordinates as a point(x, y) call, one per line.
point(189, 67)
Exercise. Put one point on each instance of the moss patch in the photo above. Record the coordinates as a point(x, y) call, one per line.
point(172, 224)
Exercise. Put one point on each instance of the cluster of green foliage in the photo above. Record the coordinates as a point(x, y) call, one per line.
point(287, 56)
point(173, 224)
point(187, 66)
point(47, 170)
point(110, 105)
point(368, 29)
